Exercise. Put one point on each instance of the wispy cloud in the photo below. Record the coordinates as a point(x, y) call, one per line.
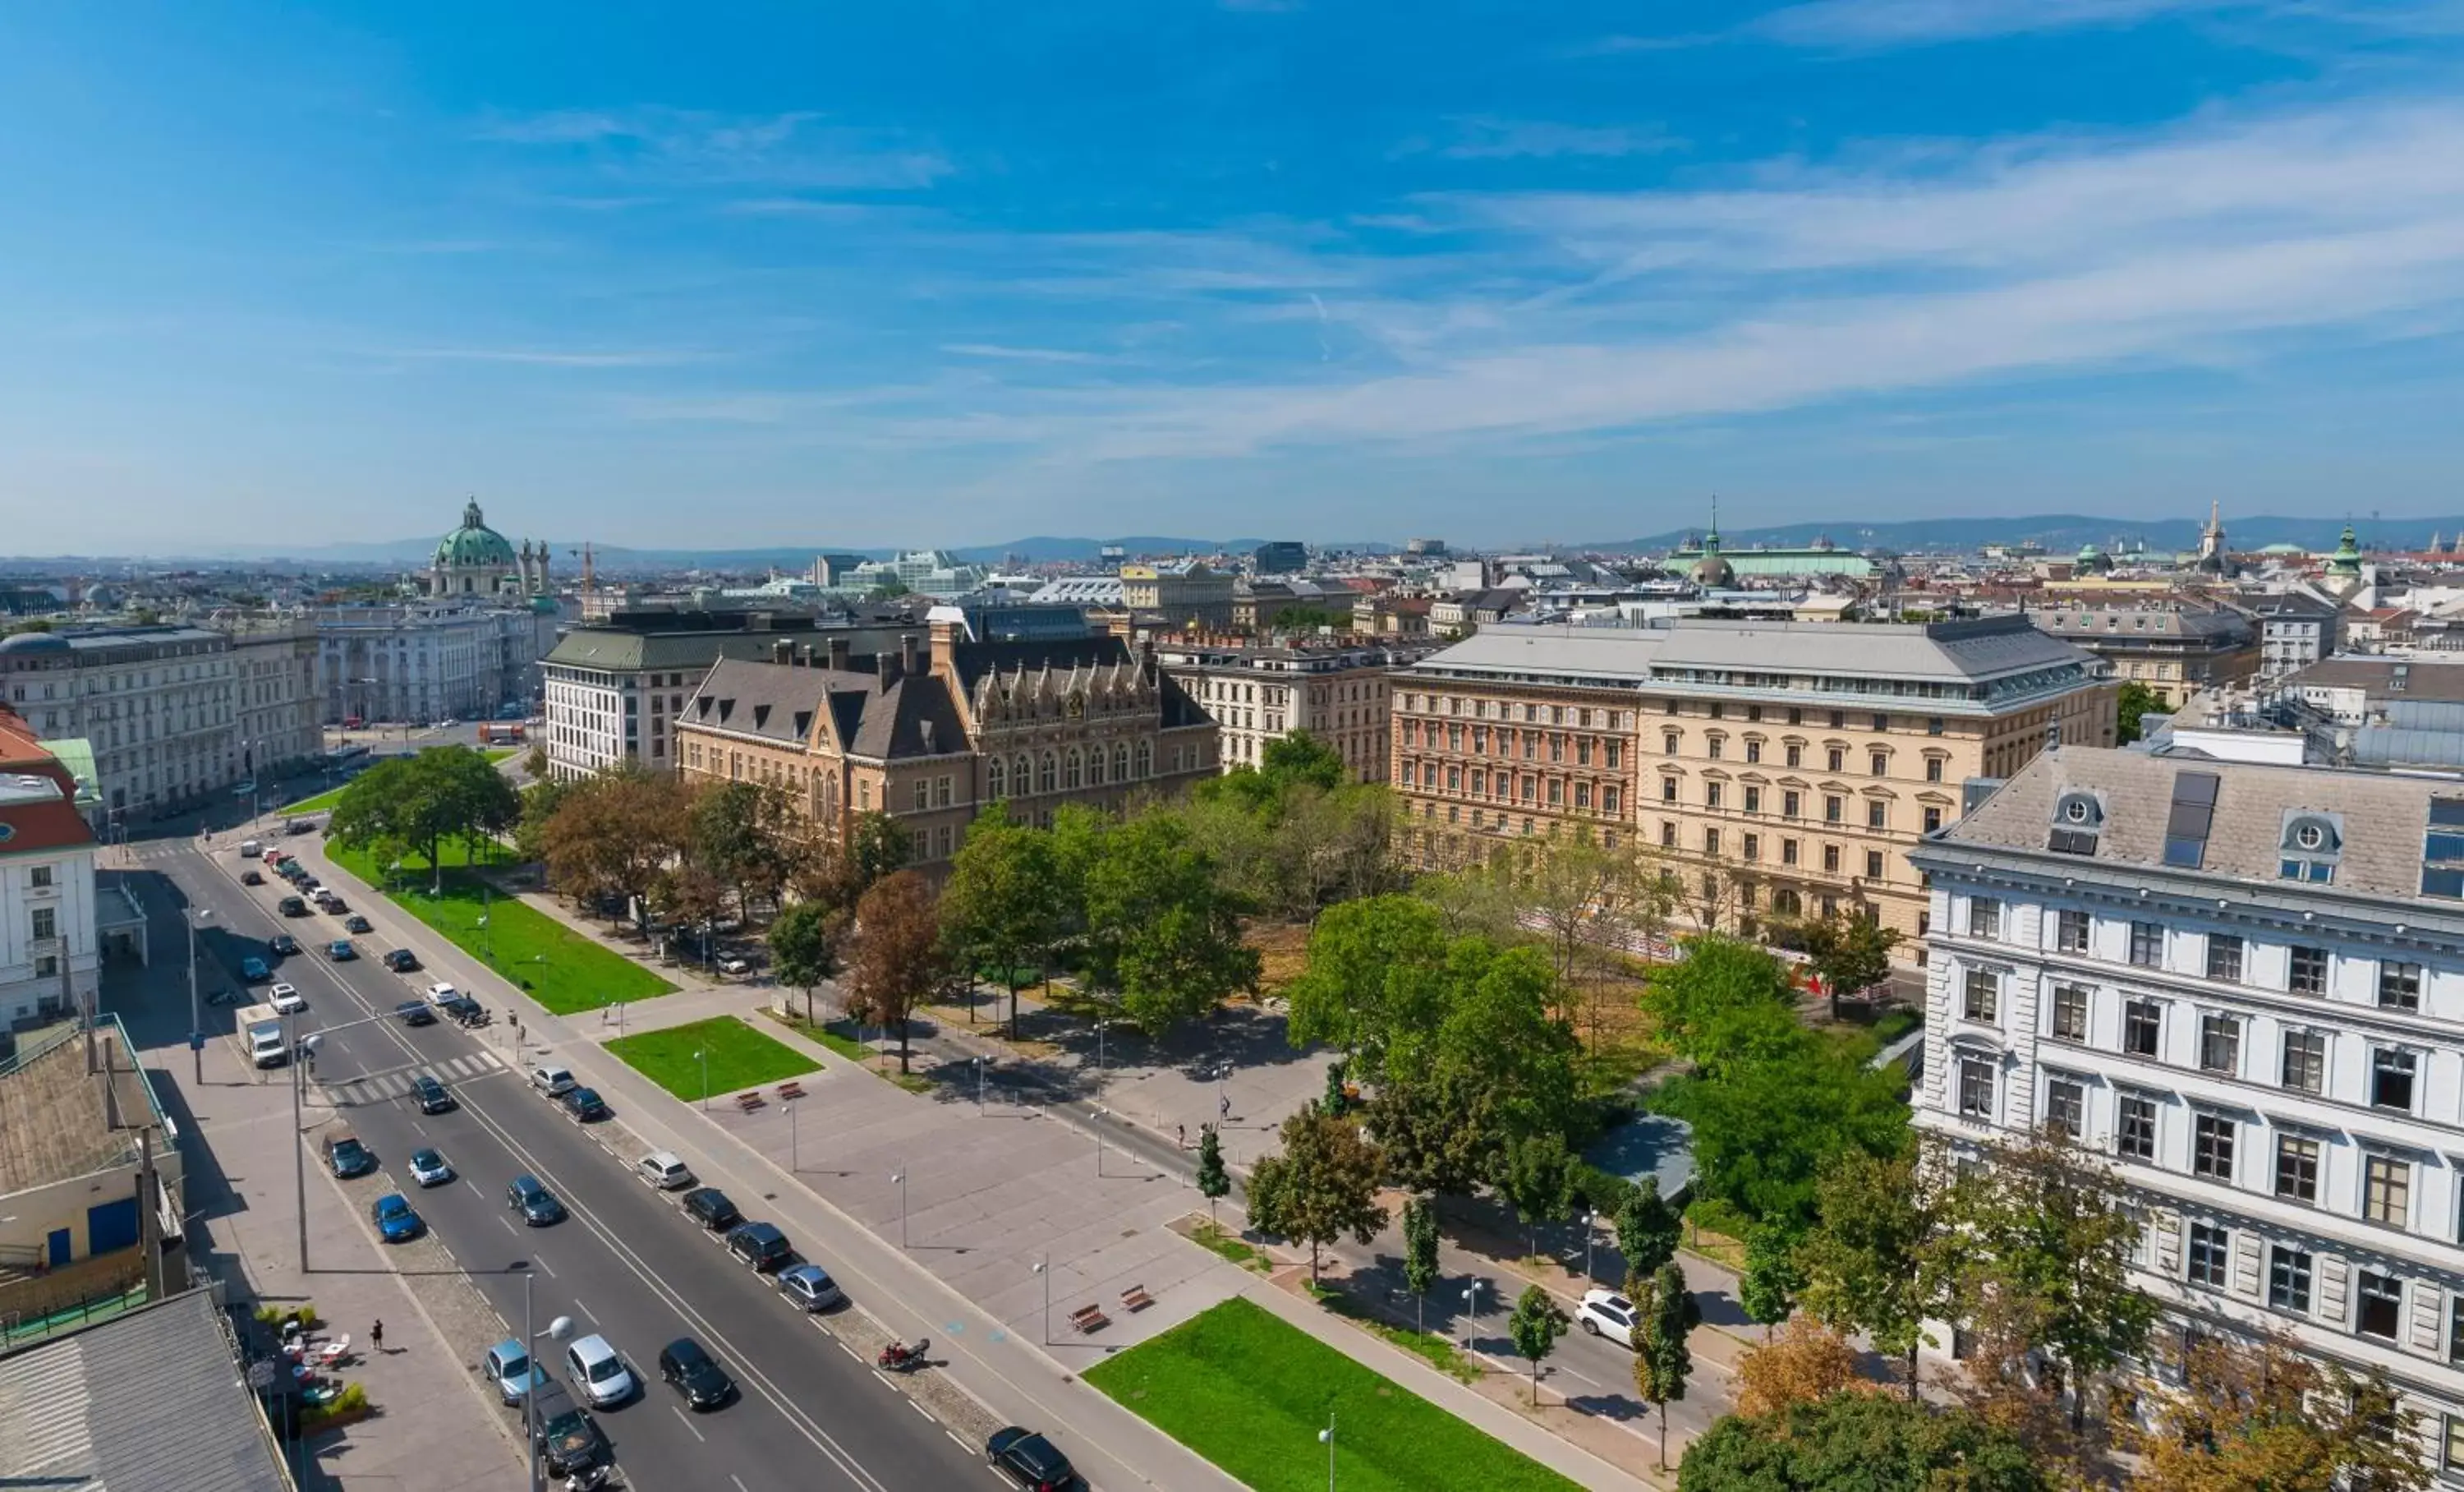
point(998, 354)
point(1899, 23)
point(797, 149)
point(1485, 137)
point(544, 357)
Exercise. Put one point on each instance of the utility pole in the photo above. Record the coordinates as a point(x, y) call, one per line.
point(298, 1158)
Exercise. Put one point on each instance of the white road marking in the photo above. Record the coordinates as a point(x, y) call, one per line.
point(584, 1309)
point(542, 1261)
point(739, 1482)
point(500, 1217)
point(694, 1428)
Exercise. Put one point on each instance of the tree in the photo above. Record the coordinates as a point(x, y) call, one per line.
point(540, 802)
point(613, 835)
point(1213, 1180)
point(1439, 1132)
point(1848, 951)
point(1647, 1228)
point(896, 962)
point(1497, 1031)
point(1161, 930)
point(876, 847)
point(535, 762)
point(1804, 1362)
point(1372, 978)
point(1002, 906)
point(2263, 1414)
point(803, 948)
point(1537, 1325)
point(1664, 1312)
point(421, 801)
point(1871, 1263)
point(2132, 705)
point(1768, 1288)
point(1585, 896)
point(1322, 1185)
point(1769, 1120)
point(1700, 1000)
point(1338, 1097)
point(742, 835)
point(1869, 1442)
point(1419, 1254)
point(1538, 1178)
point(1309, 619)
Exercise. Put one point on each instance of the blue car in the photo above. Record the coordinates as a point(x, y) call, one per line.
point(254, 971)
point(394, 1218)
point(340, 951)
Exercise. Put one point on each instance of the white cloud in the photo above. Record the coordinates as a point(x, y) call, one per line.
point(1899, 23)
point(1486, 138)
point(795, 149)
point(980, 350)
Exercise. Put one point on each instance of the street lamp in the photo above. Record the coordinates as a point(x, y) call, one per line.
point(1043, 1267)
point(1326, 1437)
point(1591, 1222)
point(1222, 1098)
point(1100, 1024)
point(794, 1165)
point(557, 1329)
point(980, 1086)
point(196, 1012)
point(900, 1177)
point(702, 1054)
point(1101, 1115)
point(299, 1047)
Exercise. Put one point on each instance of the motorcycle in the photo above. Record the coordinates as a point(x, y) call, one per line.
point(899, 1357)
point(589, 1478)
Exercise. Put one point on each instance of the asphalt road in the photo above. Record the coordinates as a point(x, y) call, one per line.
point(625, 1263)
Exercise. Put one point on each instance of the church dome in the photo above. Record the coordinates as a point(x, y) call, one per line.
point(475, 543)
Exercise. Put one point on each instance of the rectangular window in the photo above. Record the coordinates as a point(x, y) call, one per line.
point(2306, 972)
point(1753, 799)
point(1975, 1087)
point(47, 924)
point(39, 877)
point(2306, 1061)
point(1835, 808)
point(1873, 864)
point(2070, 932)
point(2399, 987)
point(1667, 789)
point(2391, 1078)
point(1934, 768)
point(2134, 1134)
point(2224, 958)
point(2451, 1453)
point(2070, 1013)
point(1830, 862)
point(1711, 795)
point(1753, 847)
point(1878, 814)
point(1787, 851)
point(2297, 1168)
point(2386, 1190)
point(2142, 1028)
point(2288, 1280)
point(2148, 945)
point(1984, 991)
point(1836, 759)
point(1879, 762)
point(2382, 1305)
point(1792, 804)
point(1932, 818)
point(2220, 1043)
point(2066, 1106)
point(1668, 834)
point(2210, 1254)
point(1795, 754)
point(2211, 1147)
point(1710, 841)
point(1984, 916)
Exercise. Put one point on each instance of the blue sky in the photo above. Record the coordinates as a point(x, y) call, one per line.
point(952, 273)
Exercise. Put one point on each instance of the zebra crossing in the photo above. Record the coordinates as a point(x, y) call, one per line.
point(394, 1082)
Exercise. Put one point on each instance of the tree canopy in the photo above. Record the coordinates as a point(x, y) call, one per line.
point(895, 962)
point(416, 803)
point(1858, 1442)
point(1321, 1185)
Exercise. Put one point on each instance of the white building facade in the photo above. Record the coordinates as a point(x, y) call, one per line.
point(157, 703)
point(1339, 694)
point(47, 888)
point(273, 683)
point(2244, 984)
point(428, 662)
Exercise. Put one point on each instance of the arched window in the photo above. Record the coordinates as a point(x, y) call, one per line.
point(1121, 763)
point(1044, 780)
point(1146, 760)
point(1076, 778)
point(1021, 775)
point(994, 777)
point(1095, 767)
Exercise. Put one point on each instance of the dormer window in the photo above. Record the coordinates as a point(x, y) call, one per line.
point(2309, 848)
point(2078, 819)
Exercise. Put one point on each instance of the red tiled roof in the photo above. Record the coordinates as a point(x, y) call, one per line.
point(45, 823)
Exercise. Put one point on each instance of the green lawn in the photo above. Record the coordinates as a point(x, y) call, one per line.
point(1250, 1393)
point(503, 753)
point(740, 1058)
point(556, 966)
point(318, 804)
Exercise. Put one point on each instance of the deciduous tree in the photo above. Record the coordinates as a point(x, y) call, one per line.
point(803, 948)
point(1772, 1280)
point(1160, 931)
point(1374, 975)
point(2266, 1414)
point(1439, 1133)
point(1849, 951)
point(1803, 1362)
point(1320, 1186)
point(1419, 1254)
point(615, 833)
point(1647, 1228)
point(1699, 1000)
point(1664, 1313)
point(1870, 1442)
point(1537, 1325)
point(1213, 1182)
point(743, 836)
point(1538, 1179)
point(1585, 897)
point(896, 961)
point(1873, 1262)
point(1003, 904)
point(1764, 1125)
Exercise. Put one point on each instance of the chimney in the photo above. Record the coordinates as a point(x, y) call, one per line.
point(839, 653)
point(945, 647)
point(888, 664)
point(781, 651)
point(1147, 660)
point(803, 655)
point(907, 654)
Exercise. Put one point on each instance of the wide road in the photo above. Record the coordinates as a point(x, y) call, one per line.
point(625, 1263)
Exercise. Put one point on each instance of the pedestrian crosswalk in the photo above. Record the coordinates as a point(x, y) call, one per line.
point(395, 1082)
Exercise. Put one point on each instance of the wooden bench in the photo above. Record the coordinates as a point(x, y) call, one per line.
point(1089, 1319)
point(1135, 1299)
point(791, 1090)
point(748, 1102)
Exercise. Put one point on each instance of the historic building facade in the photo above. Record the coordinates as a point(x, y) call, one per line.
point(1338, 692)
point(159, 706)
point(612, 693)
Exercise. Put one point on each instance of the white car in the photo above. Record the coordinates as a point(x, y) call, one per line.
point(665, 1170)
point(430, 1168)
point(553, 1082)
point(598, 1372)
point(1605, 1313)
point(439, 994)
point(287, 1000)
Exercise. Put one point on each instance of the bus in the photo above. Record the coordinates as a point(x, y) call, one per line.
point(501, 733)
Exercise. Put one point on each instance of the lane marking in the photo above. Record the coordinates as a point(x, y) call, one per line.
point(500, 1217)
point(540, 1259)
point(739, 1482)
point(584, 1309)
point(694, 1428)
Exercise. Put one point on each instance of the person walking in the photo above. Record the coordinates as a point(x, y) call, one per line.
point(1184, 1135)
point(376, 1336)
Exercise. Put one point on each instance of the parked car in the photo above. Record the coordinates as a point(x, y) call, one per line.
point(287, 1000)
point(662, 1170)
point(684, 1366)
point(340, 951)
point(734, 965)
point(254, 971)
point(250, 849)
point(401, 961)
point(759, 1246)
point(552, 1082)
point(347, 1156)
point(332, 903)
point(251, 876)
point(430, 1168)
point(1024, 1458)
point(292, 906)
point(433, 1097)
point(282, 945)
point(355, 923)
point(583, 1105)
point(415, 1013)
point(569, 1439)
point(510, 1370)
point(463, 1007)
point(598, 1372)
point(710, 1207)
point(810, 1287)
point(395, 1221)
point(1605, 1313)
point(300, 826)
point(536, 1204)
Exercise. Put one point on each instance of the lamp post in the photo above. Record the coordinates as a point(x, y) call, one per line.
point(980, 1086)
point(1101, 1115)
point(196, 1012)
point(1591, 1222)
point(299, 1154)
point(794, 1163)
point(1100, 1024)
point(703, 1054)
point(1043, 1267)
point(1326, 1437)
point(560, 1329)
point(900, 1177)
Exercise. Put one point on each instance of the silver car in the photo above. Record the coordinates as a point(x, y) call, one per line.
point(809, 1286)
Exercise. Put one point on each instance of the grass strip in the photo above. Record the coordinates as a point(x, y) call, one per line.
point(733, 1055)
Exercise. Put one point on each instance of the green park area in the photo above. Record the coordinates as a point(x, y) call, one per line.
point(557, 966)
point(322, 802)
point(737, 1057)
point(1250, 1393)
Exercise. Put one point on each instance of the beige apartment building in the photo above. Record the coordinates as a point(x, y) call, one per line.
point(933, 736)
point(1337, 691)
point(1781, 768)
point(1184, 594)
point(2175, 648)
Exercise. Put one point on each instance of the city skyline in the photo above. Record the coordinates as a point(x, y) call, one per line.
point(1251, 268)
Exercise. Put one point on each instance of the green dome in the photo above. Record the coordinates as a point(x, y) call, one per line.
point(474, 543)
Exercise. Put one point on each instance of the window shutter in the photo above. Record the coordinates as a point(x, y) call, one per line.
point(2333, 1274)
point(2246, 1264)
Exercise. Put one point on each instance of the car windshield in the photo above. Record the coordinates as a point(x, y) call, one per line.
point(605, 1369)
point(426, 1159)
point(516, 1366)
point(393, 1207)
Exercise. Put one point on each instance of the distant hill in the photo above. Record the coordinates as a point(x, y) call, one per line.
point(2060, 533)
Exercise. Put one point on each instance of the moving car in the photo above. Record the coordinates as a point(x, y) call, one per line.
point(347, 1156)
point(300, 826)
point(510, 1370)
point(415, 1013)
point(598, 1372)
point(340, 951)
point(686, 1367)
point(292, 906)
point(662, 1170)
point(810, 1287)
point(440, 992)
point(287, 999)
point(251, 876)
point(583, 1105)
point(254, 971)
point(552, 1082)
point(355, 923)
point(282, 945)
point(463, 1007)
point(1605, 1313)
point(332, 903)
point(432, 1096)
point(762, 1246)
point(536, 1204)
point(396, 1222)
point(401, 961)
point(1026, 1459)
point(710, 1207)
point(569, 1441)
point(430, 1168)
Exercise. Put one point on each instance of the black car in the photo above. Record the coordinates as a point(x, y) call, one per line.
point(1026, 1459)
point(282, 945)
point(415, 1013)
point(583, 1105)
point(432, 1096)
point(251, 876)
point(536, 1204)
point(462, 1008)
point(349, 1158)
point(690, 1370)
point(760, 1245)
point(292, 906)
point(570, 1441)
point(710, 1207)
point(401, 961)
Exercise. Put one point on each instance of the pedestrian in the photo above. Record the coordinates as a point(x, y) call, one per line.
point(1184, 1135)
point(376, 1336)
point(1223, 1106)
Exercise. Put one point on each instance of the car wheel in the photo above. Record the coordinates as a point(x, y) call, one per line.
point(1590, 1327)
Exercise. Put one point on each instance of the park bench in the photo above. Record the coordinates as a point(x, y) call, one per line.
point(1089, 1319)
point(1135, 1299)
point(791, 1090)
point(748, 1102)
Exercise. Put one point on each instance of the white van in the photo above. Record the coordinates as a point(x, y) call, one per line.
point(261, 1026)
point(250, 849)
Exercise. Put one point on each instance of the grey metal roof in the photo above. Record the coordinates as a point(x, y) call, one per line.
point(1591, 655)
point(150, 1401)
point(1986, 648)
point(2377, 677)
point(2124, 622)
point(623, 652)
